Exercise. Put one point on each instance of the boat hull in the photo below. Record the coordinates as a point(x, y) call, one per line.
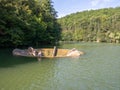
point(48, 53)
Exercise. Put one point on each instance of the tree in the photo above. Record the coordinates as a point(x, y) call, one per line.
point(93, 25)
point(28, 22)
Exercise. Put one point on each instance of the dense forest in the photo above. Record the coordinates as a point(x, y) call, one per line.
point(102, 25)
point(34, 23)
point(28, 22)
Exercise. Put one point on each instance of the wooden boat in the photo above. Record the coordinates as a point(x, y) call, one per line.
point(47, 53)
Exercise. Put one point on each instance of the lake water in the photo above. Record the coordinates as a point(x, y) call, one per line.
point(98, 69)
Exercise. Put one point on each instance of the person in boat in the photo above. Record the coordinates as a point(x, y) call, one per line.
point(39, 54)
point(73, 52)
point(31, 51)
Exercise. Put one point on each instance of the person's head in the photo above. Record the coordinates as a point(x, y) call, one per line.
point(30, 49)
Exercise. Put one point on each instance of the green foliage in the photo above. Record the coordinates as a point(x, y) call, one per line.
point(101, 25)
point(66, 36)
point(27, 22)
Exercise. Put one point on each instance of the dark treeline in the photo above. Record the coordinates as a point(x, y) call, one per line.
point(101, 25)
point(27, 22)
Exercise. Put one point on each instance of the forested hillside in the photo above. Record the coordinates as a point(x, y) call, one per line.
point(27, 22)
point(101, 25)
point(33, 22)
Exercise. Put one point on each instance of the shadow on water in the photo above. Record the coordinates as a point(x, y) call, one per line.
point(8, 60)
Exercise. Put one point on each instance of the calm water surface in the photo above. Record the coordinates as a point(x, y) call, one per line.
point(98, 69)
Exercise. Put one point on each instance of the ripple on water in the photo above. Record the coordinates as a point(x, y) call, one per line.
point(98, 69)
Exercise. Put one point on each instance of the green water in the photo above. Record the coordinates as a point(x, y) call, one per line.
point(98, 69)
